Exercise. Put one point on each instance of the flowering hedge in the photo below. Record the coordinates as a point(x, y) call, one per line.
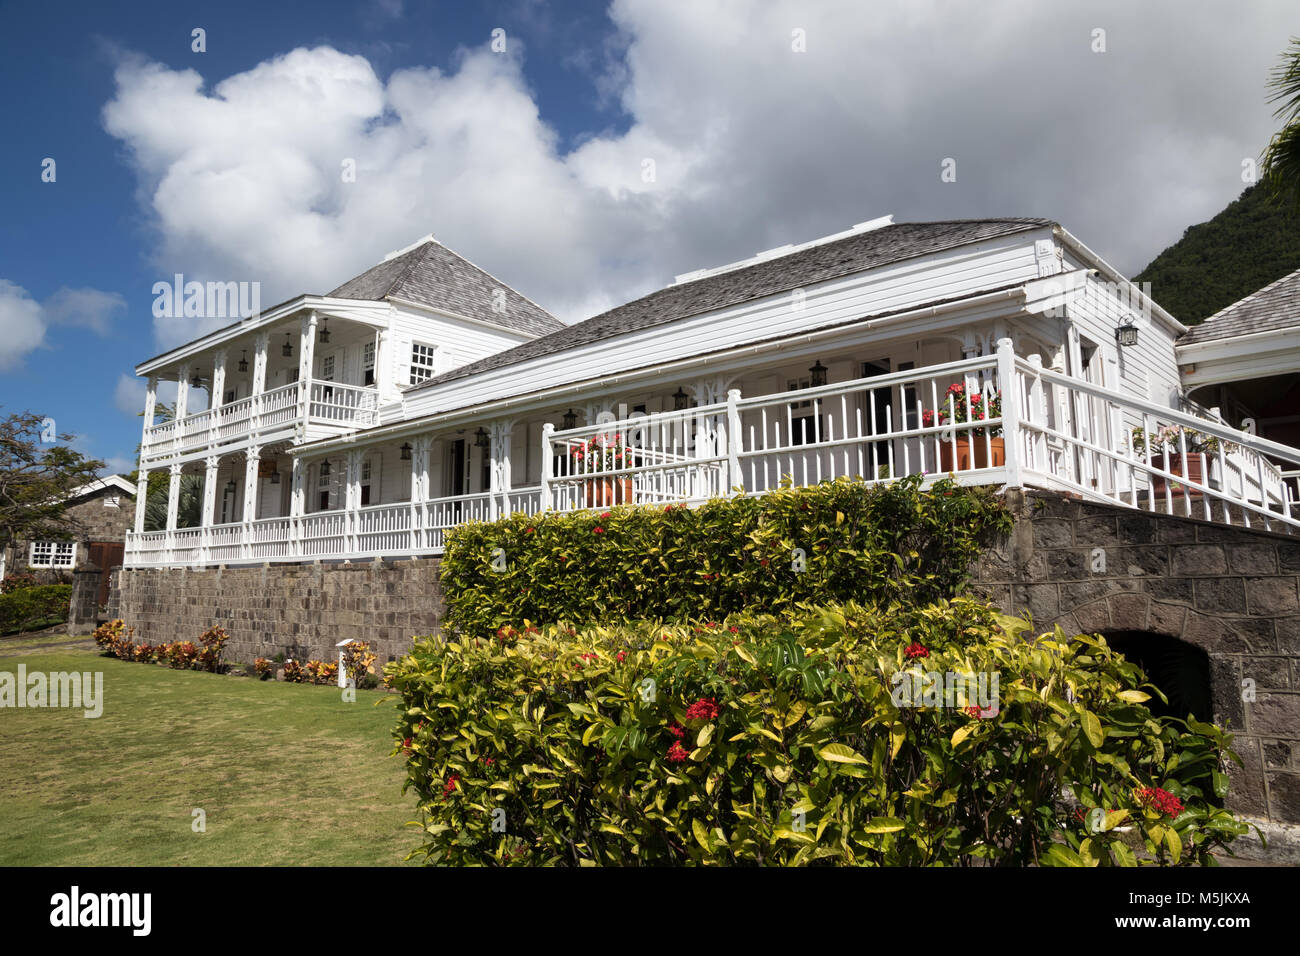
point(838, 541)
point(762, 740)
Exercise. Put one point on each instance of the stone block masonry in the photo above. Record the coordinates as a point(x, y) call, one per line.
point(300, 610)
point(1232, 592)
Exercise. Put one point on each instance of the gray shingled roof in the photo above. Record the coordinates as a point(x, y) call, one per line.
point(1276, 306)
point(433, 275)
point(856, 253)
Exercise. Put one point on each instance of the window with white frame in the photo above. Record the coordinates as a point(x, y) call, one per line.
point(422, 362)
point(368, 364)
point(53, 554)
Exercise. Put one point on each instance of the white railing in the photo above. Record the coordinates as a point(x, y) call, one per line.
point(280, 408)
point(1045, 430)
point(343, 404)
point(1133, 452)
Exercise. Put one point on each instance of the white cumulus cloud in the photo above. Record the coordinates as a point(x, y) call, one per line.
point(747, 125)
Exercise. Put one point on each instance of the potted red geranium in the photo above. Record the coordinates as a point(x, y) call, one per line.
point(969, 448)
point(598, 457)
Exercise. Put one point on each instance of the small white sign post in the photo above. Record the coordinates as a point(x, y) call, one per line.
point(343, 673)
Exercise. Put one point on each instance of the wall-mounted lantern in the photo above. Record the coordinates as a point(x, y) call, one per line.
point(481, 438)
point(570, 420)
point(1127, 334)
point(231, 487)
point(818, 373)
point(679, 400)
point(287, 349)
point(324, 333)
point(243, 360)
point(406, 451)
point(275, 477)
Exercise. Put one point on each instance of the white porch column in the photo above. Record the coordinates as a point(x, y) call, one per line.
point(173, 504)
point(352, 496)
point(261, 347)
point(141, 494)
point(419, 490)
point(548, 464)
point(209, 506)
point(182, 404)
point(297, 503)
point(173, 495)
point(150, 410)
point(211, 464)
point(499, 471)
point(218, 390)
point(1010, 412)
point(306, 358)
point(384, 383)
point(252, 458)
point(183, 392)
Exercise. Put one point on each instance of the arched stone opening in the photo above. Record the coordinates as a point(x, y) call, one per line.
point(1181, 671)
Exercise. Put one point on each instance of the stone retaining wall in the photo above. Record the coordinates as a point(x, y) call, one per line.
point(1234, 592)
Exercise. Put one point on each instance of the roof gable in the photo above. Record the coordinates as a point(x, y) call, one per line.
point(431, 274)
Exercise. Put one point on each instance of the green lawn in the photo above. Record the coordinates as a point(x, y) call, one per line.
point(287, 774)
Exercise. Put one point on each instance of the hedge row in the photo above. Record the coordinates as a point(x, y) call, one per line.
point(838, 541)
point(28, 608)
point(769, 741)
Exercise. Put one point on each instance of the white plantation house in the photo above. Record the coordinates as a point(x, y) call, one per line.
point(423, 393)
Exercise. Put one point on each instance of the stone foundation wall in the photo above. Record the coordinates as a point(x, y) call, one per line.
point(83, 610)
point(299, 610)
point(1233, 592)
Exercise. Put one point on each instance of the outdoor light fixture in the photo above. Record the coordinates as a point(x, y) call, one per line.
point(406, 451)
point(195, 381)
point(570, 419)
point(275, 477)
point(287, 349)
point(679, 400)
point(231, 487)
point(1127, 334)
point(324, 334)
point(243, 360)
point(818, 373)
point(481, 438)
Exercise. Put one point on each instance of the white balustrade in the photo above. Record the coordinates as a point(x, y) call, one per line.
point(1045, 430)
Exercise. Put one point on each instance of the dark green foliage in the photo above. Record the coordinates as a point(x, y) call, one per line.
point(838, 541)
point(771, 741)
point(1252, 242)
point(30, 608)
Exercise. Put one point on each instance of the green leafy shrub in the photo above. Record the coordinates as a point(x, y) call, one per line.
point(766, 741)
point(838, 541)
point(31, 608)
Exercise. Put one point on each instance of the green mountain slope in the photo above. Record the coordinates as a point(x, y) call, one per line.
point(1245, 247)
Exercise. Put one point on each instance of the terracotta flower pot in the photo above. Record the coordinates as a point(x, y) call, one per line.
point(966, 458)
point(1191, 469)
point(607, 492)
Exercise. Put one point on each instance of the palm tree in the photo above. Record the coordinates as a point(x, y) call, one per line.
point(1281, 165)
point(187, 512)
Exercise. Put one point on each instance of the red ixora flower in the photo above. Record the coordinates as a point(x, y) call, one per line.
point(604, 515)
point(677, 730)
point(706, 708)
point(621, 655)
point(451, 785)
point(598, 530)
point(915, 650)
point(677, 754)
point(1161, 800)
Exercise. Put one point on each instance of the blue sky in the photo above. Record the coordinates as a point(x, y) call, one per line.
point(531, 160)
